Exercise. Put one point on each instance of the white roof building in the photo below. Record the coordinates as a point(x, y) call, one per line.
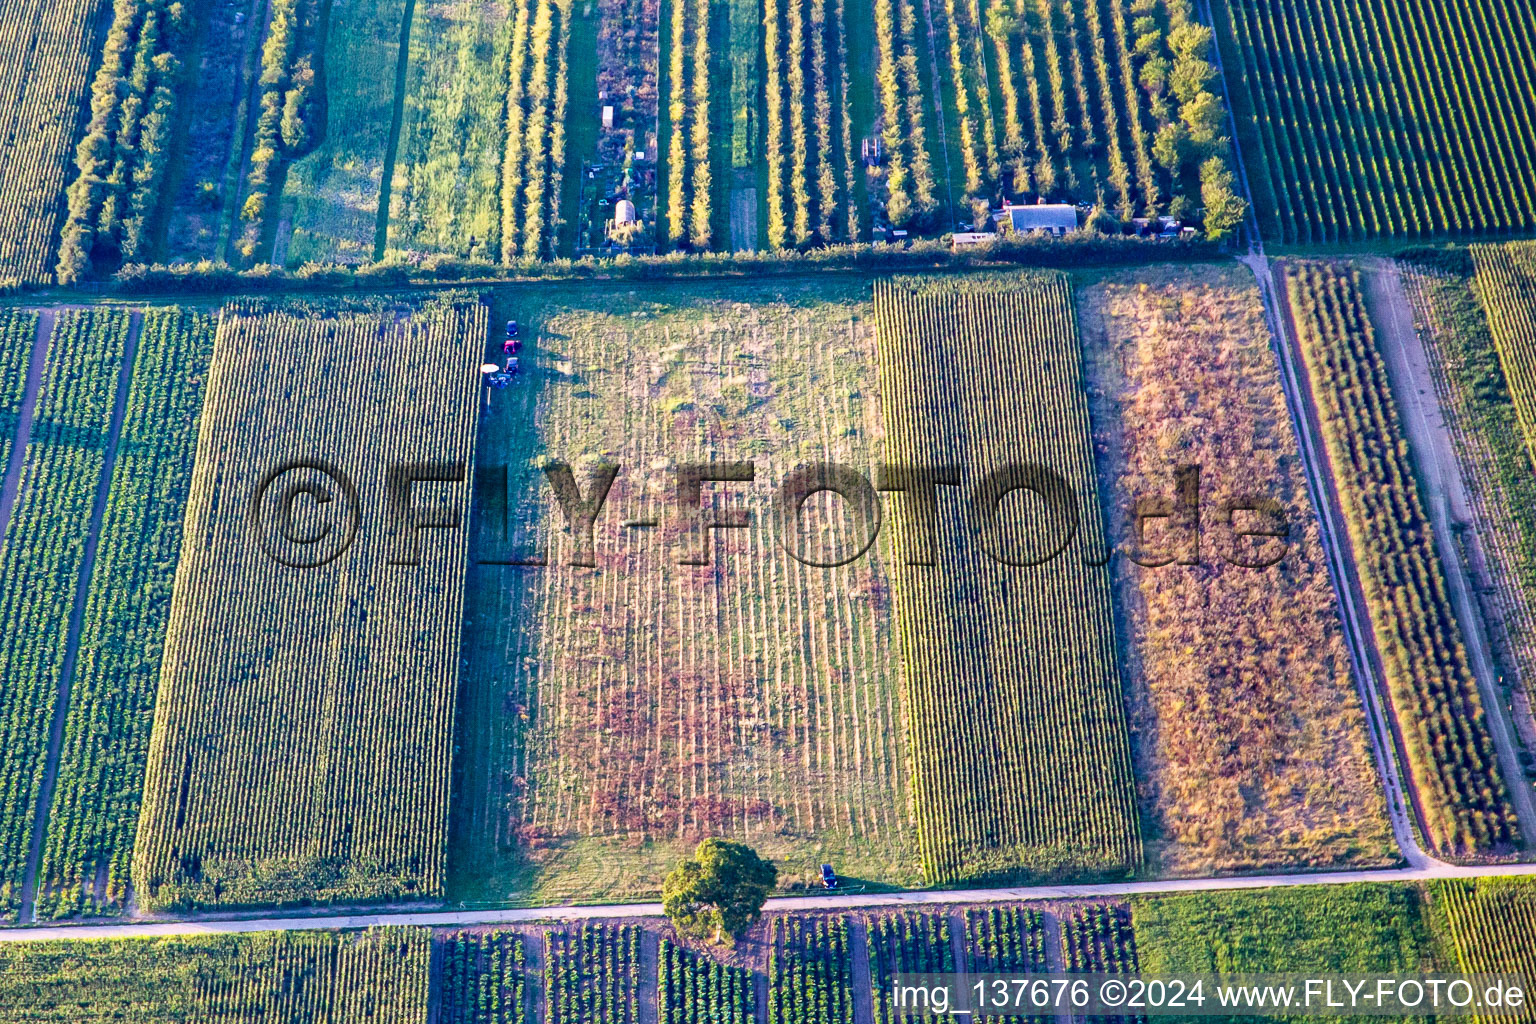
point(1050, 218)
point(623, 212)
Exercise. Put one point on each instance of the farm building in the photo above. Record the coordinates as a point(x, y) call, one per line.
point(623, 212)
point(1046, 218)
point(966, 239)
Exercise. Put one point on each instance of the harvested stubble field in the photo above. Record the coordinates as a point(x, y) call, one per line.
point(285, 765)
point(614, 715)
point(1020, 757)
point(1251, 748)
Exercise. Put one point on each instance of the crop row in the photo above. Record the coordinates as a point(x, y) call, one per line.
point(122, 161)
point(45, 55)
point(911, 193)
point(1506, 283)
point(533, 165)
point(1100, 938)
point(43, 551)
point(18, 333)
point(1006, 940)
point(810, 188)
point(95, 805)
point(1387, 118)
point(592, 976)
point(481, 978)
point(692, 989)
point(1492, 922)
point(282, 767)
point(379, 975)
point(1012, 687)
point(1439, 714)
point(689, 174)
point(810, 972)
point(902, 944)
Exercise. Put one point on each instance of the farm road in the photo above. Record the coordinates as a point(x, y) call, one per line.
point(785, 904)
point(1434, 455)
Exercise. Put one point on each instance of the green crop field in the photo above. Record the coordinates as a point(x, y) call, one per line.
point(1439, 716)
point(89, 846)
point(331, 196)
point(40, 561)
point(1384, 119)
point(1002, 786)
point(1492, 924)
point(377, 977)
point(447, 176)
point(331, 780)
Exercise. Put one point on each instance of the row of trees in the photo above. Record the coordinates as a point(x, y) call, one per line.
point(286, 125)
point(810, 193)
point(1441, 720)
point(122, 160)
point(911, 193)
point(533, 167)
point(690, 176)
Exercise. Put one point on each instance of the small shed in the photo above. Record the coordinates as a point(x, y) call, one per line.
point(966, 239)
point(623, 212)
point(608, 116)
point(1042, 218)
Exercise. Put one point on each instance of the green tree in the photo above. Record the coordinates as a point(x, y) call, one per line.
point(718, 892)
point(1224, 208)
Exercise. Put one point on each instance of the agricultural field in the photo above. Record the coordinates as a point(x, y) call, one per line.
point(94, 810)
point(446, 187)
point(694, 989)
point(481, 978)
point(1384, 120)
point(1250, 740)
point(1454, 297)
point(46, 51)
point(1492, 923)
point(905, 943)
point(592, 974)
point(18, 333)
point(41, 557)
point(1343, 929)
point(328, 209)
point(1439, 719)
point(1021, 759)
point(612, 716)
point(283, 767)
point(810, 970)
point(379, 976)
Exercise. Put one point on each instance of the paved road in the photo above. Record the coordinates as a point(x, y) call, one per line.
point(935, 898)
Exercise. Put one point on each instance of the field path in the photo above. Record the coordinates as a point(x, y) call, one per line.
point(858, 952)
point(11, 486)
point(76, 618)
point(936, 898)
point(1357, 631)
point(1055, 963)
point(1434, 456)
